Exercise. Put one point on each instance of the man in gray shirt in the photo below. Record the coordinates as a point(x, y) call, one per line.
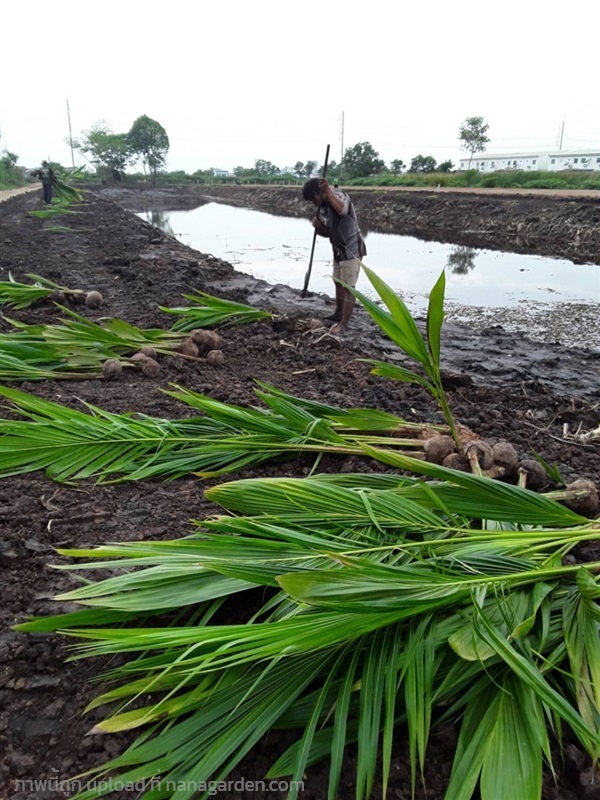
point(336, 219)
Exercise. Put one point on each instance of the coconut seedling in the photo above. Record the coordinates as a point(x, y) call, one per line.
point(150, 368)
point(399, 325)
point(437, 448)
point(532, 475)
point(205, 340)
point(17, 295)
point(580, 496)
point(220, 438)
point(111, 368)
point(396, 601)
point(215, 358)
point(94, 300)
point(208, 311)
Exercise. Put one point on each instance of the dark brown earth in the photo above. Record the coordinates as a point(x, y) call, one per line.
point(501, 386)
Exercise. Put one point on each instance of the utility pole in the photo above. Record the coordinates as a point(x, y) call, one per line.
point(70, 134)
point(562, 133)
point(342, 146)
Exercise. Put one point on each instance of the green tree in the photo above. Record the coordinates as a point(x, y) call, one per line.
point(109, 152)
point(472, 134)
point(244, 172)
point(362, 160)
point(265, 169)
point(445, 166)
point(309, 168)
point(422, 164)
point(148, 141)
point(10, 174)
point(299, 169)
point(396, 166)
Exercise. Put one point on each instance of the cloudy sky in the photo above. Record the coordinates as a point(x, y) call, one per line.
point(233, 81)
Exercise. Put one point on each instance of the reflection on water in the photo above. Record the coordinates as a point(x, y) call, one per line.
point(159, 219)
point(461, 260)
point(277, 249)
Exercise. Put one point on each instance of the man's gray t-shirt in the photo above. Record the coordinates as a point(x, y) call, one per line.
point(345, 235)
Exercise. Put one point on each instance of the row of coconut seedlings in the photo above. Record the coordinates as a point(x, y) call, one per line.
point(200, 344)
point(222, 438)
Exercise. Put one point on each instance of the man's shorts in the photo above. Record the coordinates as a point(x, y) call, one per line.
point(346, 271)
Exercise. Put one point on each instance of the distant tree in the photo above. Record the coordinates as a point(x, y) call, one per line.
point(422, 164)
point(265, 169)
point(299, 169)
point(149, 142)
point(10, 174)
point(396, 166)
point(244, 172)
point(472, 134)
point(445, 166)
point(362, 161)
point(9, 159)
point(333, 172)
point(109, 152)
point(309, 168)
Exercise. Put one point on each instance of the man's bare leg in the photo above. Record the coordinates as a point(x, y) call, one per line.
point(348, 303)
point(338, 314)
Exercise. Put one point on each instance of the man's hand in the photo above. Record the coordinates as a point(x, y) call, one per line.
point(320, 228)
point(329, 196)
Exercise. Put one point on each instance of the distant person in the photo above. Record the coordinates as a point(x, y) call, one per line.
point(335, 218)
point(47, 177)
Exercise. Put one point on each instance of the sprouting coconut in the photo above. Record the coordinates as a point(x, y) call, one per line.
point(57, 296)
point(581, 496)
point(188, 348)
point(437, 448)
point(215, 358)
point(506, 460)
point(111, 368)
point(148, 351)
point(78, 296)
point(205, 340)
point(532, 475)
point(93, 299)
point(457, 461)
point(138, 359)
point(150, 368)
point(479, 454)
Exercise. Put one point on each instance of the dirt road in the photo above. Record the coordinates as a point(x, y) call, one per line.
point(5, 194)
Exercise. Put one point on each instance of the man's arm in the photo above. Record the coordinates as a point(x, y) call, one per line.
point(329, 195)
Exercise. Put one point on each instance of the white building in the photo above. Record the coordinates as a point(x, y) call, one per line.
point(221, 173)
point(548, 162)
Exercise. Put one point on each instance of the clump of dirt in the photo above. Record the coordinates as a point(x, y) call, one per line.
point(537, 406)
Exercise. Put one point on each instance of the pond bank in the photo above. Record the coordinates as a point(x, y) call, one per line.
point(553, 225)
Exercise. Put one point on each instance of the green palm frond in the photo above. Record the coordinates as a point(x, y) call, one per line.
point(398, 324)
point(14, 294)
point(373, 624)
point(209, 311)
point(72, 445)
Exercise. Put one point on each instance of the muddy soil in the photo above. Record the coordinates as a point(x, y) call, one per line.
point(539, 397)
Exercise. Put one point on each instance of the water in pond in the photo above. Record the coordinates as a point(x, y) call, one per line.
point(482, 286)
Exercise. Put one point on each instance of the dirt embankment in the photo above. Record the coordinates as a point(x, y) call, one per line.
point(552, 225)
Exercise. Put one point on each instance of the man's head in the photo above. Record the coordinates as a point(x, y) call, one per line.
point(311, 190)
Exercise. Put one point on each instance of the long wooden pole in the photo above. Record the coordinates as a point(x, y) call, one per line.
point(312, 251)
